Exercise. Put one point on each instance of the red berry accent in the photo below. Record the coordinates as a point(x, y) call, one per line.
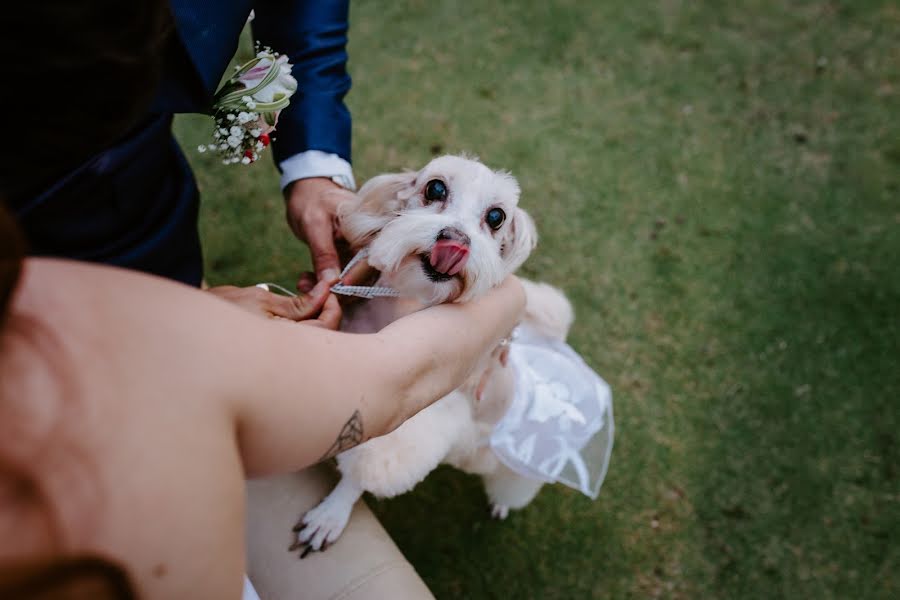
point(248, 154)
point(264, 138)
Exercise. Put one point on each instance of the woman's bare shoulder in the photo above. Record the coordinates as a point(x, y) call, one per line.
point(132, 314)
point(143, 449)
point(77, 286)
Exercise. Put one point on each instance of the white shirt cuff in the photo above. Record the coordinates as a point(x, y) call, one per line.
point(315, 163)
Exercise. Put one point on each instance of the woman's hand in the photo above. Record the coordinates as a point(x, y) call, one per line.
point(318, 307)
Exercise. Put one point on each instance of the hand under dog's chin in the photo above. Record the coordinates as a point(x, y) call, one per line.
point(413, 280)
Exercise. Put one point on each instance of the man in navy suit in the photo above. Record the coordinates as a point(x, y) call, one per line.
point(134, 202)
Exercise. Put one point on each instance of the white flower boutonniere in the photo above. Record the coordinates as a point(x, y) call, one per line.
point(247, 106)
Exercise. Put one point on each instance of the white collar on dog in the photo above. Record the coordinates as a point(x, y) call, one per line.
point(362, 291)
point(559, 426)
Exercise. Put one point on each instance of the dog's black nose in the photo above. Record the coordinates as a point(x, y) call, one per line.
point(452, 233)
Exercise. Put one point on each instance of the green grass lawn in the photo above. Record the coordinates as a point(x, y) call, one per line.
point(717, 189)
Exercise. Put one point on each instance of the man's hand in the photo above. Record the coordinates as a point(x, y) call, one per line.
point(312, 206)
point(318, 308)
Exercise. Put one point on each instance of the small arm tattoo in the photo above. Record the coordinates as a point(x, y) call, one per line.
point(351, 435)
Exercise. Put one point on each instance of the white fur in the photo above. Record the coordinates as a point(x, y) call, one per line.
point(392, 217)
point(399, 225)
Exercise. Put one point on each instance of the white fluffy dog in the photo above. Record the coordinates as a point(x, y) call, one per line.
point(447, 233)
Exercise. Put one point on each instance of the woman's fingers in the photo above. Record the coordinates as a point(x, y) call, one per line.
point(330, 315)
point(318, 307)
point(302, 307)
point(252, 299)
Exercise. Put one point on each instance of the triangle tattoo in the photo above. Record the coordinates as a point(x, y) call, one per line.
point(351, 435)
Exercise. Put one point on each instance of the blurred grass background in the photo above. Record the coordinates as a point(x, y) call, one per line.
point(717, 189)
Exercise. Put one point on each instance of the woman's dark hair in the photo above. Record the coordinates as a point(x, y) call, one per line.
point(12, 252)
point(80, 75)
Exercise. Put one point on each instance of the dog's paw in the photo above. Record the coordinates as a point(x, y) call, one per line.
point(320, 527)
point(499, 511)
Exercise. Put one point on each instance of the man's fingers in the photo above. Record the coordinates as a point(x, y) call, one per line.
point(312, 211)
point(306, 282)
point(330, 317)
point(320, 237)
point(308, 305)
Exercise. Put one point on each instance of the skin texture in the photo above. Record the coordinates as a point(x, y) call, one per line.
point(311, 207)
point(304, 308)
point(139, 406)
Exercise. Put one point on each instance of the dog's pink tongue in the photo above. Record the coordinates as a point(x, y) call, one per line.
point(449, 256)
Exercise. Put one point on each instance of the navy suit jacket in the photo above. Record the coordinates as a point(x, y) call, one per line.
point(135, 204)
point(312, 33)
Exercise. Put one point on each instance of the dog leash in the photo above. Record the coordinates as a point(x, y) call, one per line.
point(360, 291)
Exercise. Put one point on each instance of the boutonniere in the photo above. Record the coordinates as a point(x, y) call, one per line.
point(247, 106)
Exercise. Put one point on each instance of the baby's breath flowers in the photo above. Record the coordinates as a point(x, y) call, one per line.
point(247, 106)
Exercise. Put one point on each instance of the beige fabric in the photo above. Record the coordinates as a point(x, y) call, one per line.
point(364, 562)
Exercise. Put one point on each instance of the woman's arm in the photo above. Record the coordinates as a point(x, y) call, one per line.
point(316, 393)
point(292, 394)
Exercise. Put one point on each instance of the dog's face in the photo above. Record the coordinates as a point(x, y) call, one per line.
point(447, 233)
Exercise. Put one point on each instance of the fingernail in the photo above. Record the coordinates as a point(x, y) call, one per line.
point(329, 275)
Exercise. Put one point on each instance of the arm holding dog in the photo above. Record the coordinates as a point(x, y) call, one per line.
point(387, 377)
point(285, 391)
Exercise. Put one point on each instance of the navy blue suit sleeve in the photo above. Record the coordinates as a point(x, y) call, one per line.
point(313, 34)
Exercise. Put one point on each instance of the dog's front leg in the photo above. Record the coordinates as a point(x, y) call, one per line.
point(385, 466)
point(394, 463)
point(508, 490)
point(322, 525)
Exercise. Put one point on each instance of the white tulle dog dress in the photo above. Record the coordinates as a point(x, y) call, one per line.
point(559, 426)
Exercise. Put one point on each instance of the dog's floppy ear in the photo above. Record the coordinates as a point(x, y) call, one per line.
point(377, 202)
point(520, 239)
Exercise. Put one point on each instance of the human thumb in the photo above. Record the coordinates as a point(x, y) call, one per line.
point(301, 307)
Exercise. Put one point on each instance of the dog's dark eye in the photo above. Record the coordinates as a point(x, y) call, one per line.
point(495, 218)
point(435, 190)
